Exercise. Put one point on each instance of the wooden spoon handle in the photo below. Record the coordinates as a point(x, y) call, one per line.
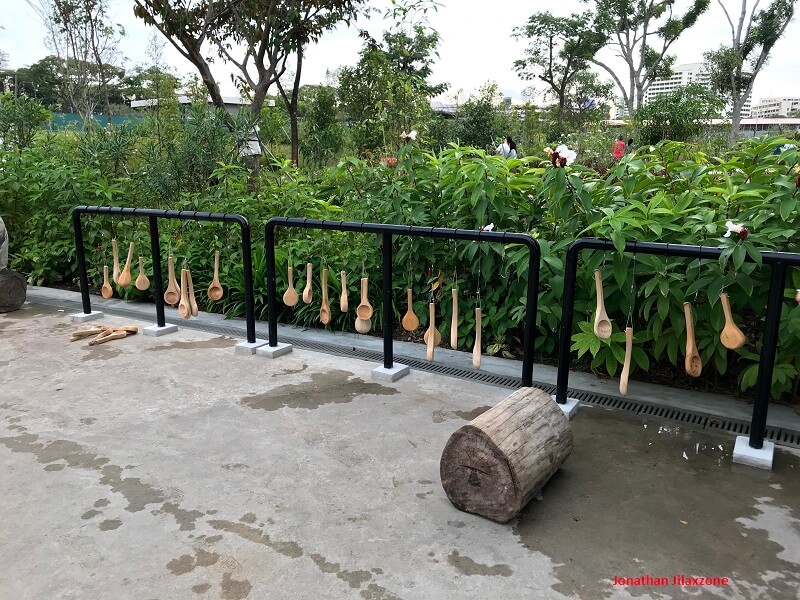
point(105, 275)
point(476, 350)
point(364, 288)
point(410, 295)
point(626, 368)
point(115, 252)
point(130, 257)
point(726, 307)
point(325, 286)
point(431, 331)
point(141, 264)
point(216, 266)
point(598, 284)
point(344, 305)
point(170, 270)
point(690, 340)
point(454, 321)
point(290, 277)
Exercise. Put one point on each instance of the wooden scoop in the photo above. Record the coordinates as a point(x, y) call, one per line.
point(107, 336)
point(430, 337)
point(142, 282)
point(626, 367)
point(190, 294)
point(692, 364)
point(215, 289)
point(454, 321)
point(410, 320)
point(115, 252)
point(307, 294)
point(325, 308)
point(125, 276)
point(731, 336)
point(184, 308)
point(79, 335)
point(364, 310)
point(106, 291)
point(344, 305)
point(363, 325)
point(437, 337)
point(173, 293)
point(476, 350)
point(602, 325)
point(290, 297)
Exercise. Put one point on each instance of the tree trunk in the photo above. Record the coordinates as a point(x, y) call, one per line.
point(736, 119)
point(495, 464)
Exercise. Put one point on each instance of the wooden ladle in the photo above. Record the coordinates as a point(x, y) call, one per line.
point(410, 320)
point(692, 364)
point(430, 338)
point(626, 366)
point(437, 337)
point(184, 308)
point(307, 293)
point(125, 276)
point(363, 325)
point(476, 350)
point(190, 293)
point(325, 308)
point(142, 282)
point(344, 305)
point(172, 295)
point(364, 310)
point(454, 321)
point(106, 291)
point(290, 297)
point(731, 336)
point(215, 289)
point(115, 252)
point(602, 324)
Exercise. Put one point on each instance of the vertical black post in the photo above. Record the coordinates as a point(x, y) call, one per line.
point(529, 341)
point(567, 310)
point(80, 251)
point(269, 243)
point(388, 313)
point(247, 260)
point(158, 280)
point(766, 363)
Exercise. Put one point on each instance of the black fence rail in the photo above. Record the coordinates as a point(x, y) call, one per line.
point(779, 261)
point(155, 247)
point(388, 231)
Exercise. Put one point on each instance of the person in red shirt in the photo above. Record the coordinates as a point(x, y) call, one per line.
point(618, 149)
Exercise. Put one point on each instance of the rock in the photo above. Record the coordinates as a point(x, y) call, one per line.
point(13, 290)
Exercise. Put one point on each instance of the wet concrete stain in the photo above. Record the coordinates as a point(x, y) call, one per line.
point(235, 466)
point(467, 566)
point(300, 369)
point(233, 589)
point(440, 416)
point(332, 387)
point(216, 342)
point(248, 518)
point(88, 421)
point(186, 563)
point(102, 502)
point(355, 579)
point(5, 363)
point(212, 539)
point(658, 489)
point(55, 467)
point(424, 494)
point(184, 518)
point(90, 514)
point(254, 534)
point(457, 524)
point(201, 588)
point(100, 352)
point(425, 482)
point(110, 524)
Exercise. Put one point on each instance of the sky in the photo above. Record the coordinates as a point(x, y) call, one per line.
point(476, 44)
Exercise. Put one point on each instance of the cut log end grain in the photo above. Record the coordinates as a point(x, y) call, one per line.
point(494, 465)
point(13, 290)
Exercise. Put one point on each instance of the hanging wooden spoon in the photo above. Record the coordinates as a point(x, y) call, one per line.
point(344, 305)
point(692, 364)
point(184, 308)
point(410, 320)
point(115, 252)
point(325, 308)
point(364, 310)
point(142, 282)
point(602, 324)
point(125, 275)
point(173, 293)
point(363, 325)
point(476, 350)
point(431, 338)
point(731, 336)
point(290, 297)
point(215, 289)
point(106, 291)
point(190, 293)
point(307, 293)
point(454, 321)
point(626, 367)
point(437, 337)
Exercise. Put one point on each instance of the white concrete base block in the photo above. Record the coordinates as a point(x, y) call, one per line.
point(156, 331)
point(396, 372)
point(570, 408)
point(248, 348)
point(83, 317)
point(274, 351)
point(744, 454)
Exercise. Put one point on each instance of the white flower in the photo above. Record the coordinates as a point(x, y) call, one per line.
point(488, 227)
point(565, 152)
point(732, 228)
point(412, 134)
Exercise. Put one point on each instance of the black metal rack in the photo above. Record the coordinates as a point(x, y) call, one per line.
point(779, 261)
point(153, 215)
point(388, 231)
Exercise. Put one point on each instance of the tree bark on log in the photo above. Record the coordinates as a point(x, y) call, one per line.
point(496, 463)
point(13, 290)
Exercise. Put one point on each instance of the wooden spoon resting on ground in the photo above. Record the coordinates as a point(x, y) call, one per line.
point(602, 324)
point(476, 350)
point(731, 336)
point(215, 289)
point(142, 282)
point(692, 364)
point(325, 308)
point(115, 252)
point(429, 342)
point(307, 293)
point(125, 276)
point(344, 305)
point(106, 291)
point(410, 320)
point(173, 293)
point(626, 367)
point(290, 297)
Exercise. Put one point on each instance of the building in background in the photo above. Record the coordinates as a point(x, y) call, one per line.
point(776, 107)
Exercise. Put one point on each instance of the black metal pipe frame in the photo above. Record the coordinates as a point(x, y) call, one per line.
point(779, 261)
point(153, 215)
point(390, 230)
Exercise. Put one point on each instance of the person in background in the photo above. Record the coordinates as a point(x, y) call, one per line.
point(504, 148)
point(618, 149)
point(512, 148)
point(629, 147)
